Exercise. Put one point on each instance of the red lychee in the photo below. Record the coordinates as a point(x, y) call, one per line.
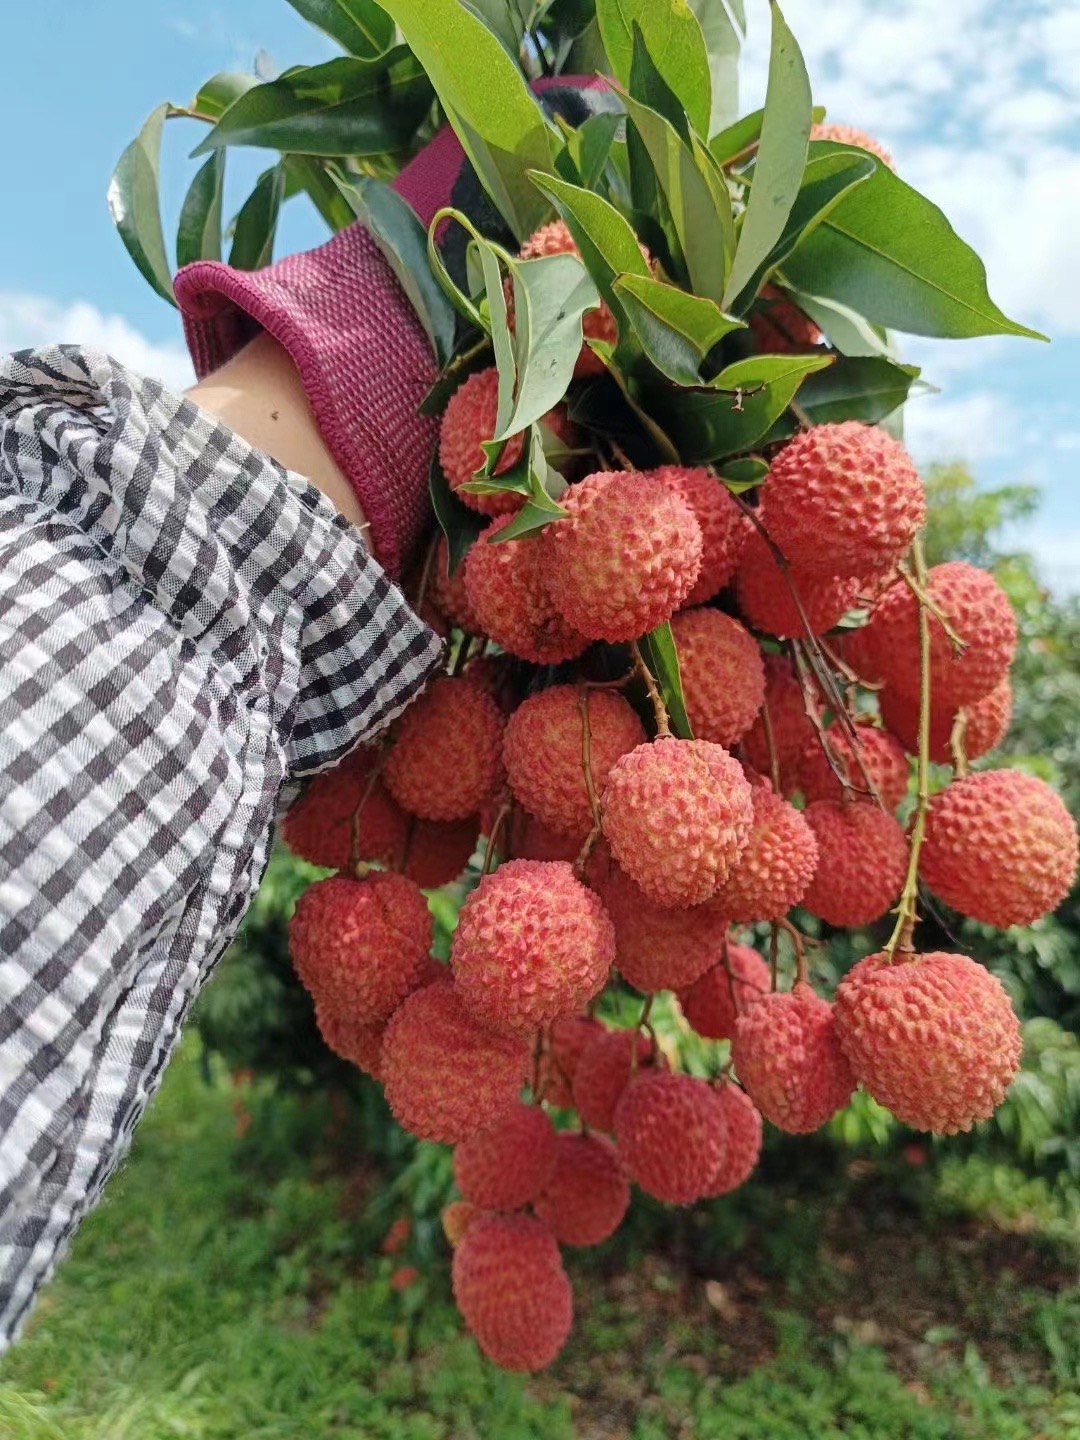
point(933, 1038)
point(624, 558)
point(722, 672)
point(862, 859)
point(507, 1164)
point(714, 1002)
point(671, 1135)
point(456, 1218)
point(544, 756)
point(603, 1073)
point(568, 1039)
point(468, 421)
point(448, 591)
point(873, 759)
point(677, 815)
point(1000, 847)
point(529, 840)
point(361, 1045)
point(787, 720)
point(657, 947)
point(587, 1194)
point(773, 871)
point(446, 757)
point(788, 1058)
point(445, 1076)
point(986, 723)
point(764, 597)
point(532, 943)
point(779, 327)
point(508, 594)
point(318, 826)
point(512, 1290)
point(744, 1135)
point(848, 135)
point(438, 852)
point(723, 527)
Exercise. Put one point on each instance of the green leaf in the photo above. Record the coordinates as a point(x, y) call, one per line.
point(867, 388)
point(218, 93)
point(332, 195)
point(674, 41)
point(648, 87)
point(460, 524)
point(892, 256)
point(677, 330)
point(343, 107)
point(660, 655)
point(723, 32)
point(503, 18)
point(844, 328)
point(588, 147)
point(542, 506)
point(135, 205)
point(256, 222)
point(360, 27)
point(741, 137)
point(551, 294)
point(743, 473)
point(785, 131)
point(497, 119)
point(198, 232)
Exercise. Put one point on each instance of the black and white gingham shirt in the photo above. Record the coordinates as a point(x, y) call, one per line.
point(185, 627)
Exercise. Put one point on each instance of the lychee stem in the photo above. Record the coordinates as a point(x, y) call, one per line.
point(501, 817)
point(917, 584)
point(770, 745)
point(586, 769)
point(356, 866)
point(663, 728)
point(798, 944)
point(957, 744)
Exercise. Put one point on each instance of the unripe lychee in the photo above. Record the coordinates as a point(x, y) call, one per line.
point(658, 947)
point(773, 871)
point(456, 1218)
point(715, 1001)
point(507, 1164)
point(568, 1039)
point(544, 755)
point(468, 421)
point(862, 859)
point(532, 943)
point(744, 1135)
point(933, 1038)
point(763, 594)
point(508, 594)
point(722, 672)
point(788, 1058)
point(512, 1290)
point(779, 327)
point(1000, 847)
point(677, 815)
point(439, 851)
point(624, 558)
point(843, 499)
point(848, 135)
point(671, 1135)
point(788, 723)
point(361, 1045)
point(357, 944)
point(978, 610)
point(448, 591)
point(723, 527)
point(445, 1076)
point(603, 1073)
point(587, 1193)
point(986, 722)
point(318, 825)
point(873, 760)
point(446, 757)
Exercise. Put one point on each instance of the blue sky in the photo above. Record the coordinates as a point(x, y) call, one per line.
point(978, 100)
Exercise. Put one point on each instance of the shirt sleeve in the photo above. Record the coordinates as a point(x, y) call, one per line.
point(185, 629)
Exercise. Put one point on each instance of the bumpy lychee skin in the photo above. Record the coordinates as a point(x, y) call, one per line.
point(658, 947)
point(532, 943)
point(677, 815)
point(933, 1038)
point(723, 527)
point(874, 758)
point(603, 1073)
point(787, 720)
point(361, 1045)
point(599, 324)
point(862, 858)
point(986, 723)
point(744, 1136)
point(789, 1059)
point(587, 1194)
point(508, 594)
point(507, 1164)
point(446, 757)
point(722, 672)
point(568, 1039)
point(1000, 847)
point(773, 871)
point(512, 1290)
point(715, 1001)
point(779, 327)
point(978, 610)
point(438, 852)
point(456, 1219)
point(671, 1135)
point(448, 591)
point(318, 826)
point(543, 753)
point(445, 1076)
point(468, 421)
point(849, 135)
point(357, 944)
point(624, 558)
point(529, 840)
point(765, 600)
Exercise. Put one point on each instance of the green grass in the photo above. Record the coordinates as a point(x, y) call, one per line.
point(233, 1288)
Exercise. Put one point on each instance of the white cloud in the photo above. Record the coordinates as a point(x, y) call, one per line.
point(967, 427)
point(31, 320)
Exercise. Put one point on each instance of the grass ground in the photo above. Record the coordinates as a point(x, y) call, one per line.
point(233, 1287)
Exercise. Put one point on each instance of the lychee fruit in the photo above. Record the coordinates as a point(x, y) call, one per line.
point(779, 327)
point(512, 1290)
point(873, 761)
point(318, 826)
point(657, 947)
point(715, 1001)
point(788, 722)
point(446, 756)
point(848, 135)
point(468, 421)
point(587, 1193)
point(788, 1057)
point(624, 558)
point(357, 944)
point(723, 527)
point(764, 595)
point(507, 1164)
point(862, 860)
point(532, 943)
point(448, 591)
point(456, 1218)
point(677, 815)
point(444, 1075)
point(529, 840)
point(776, 866)
point(986, 722)
point(978, 610)
point(361, 1045)
point(437, 851)
point(744, 1135)
point(722, 673)
point(603, 1073)
point(507, 590)
point(567, 1040)
point(544, 756)
point(671, 1135)
point(1000, 847)
point(932, 1037)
